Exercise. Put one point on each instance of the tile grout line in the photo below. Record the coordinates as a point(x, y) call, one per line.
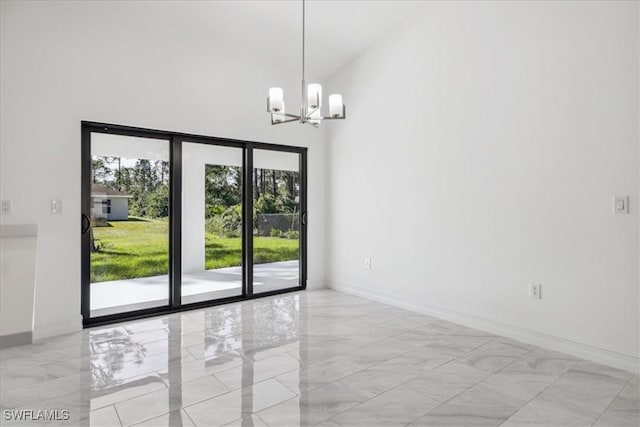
point(403, 383)
point(614, 398)
point(117, 414)
point(539, 393)
point(346, 352)
point(188, 416)
point(286, 386)
point(468, 388)
point(542, 391)
point(166, 387)
point(503, 368)
point(262, 419)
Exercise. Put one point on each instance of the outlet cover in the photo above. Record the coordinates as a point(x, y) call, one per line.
point(6, 207)
point(535, 290)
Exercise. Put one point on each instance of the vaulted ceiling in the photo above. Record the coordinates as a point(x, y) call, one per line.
point(270, 30)
point(337, 31)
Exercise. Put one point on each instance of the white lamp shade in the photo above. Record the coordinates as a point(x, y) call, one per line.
point(335, 105)
point(314, 96)
point(276, 99)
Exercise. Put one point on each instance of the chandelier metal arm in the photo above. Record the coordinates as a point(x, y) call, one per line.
point(344, 115)
point(284, 121)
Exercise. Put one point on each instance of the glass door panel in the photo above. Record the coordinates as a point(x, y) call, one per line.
point(129, 217)
point(211, 222)
point(276, 227)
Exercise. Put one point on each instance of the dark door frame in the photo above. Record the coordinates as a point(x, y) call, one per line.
point(175, 139)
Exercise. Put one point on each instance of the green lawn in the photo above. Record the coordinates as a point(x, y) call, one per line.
point(139, 248)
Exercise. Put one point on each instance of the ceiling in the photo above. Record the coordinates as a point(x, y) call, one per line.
point(337, 30)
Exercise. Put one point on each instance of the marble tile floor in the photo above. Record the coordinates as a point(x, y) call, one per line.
point(302, 359)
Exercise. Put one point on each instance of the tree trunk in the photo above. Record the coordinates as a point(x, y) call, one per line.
point(275, 185)
point(256, 189)
point(291, 185)
point(119, 174)
point(93, 246)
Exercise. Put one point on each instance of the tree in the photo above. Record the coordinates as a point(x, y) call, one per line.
point(162, 169)
point(158, 202)
point(100, 170)
point(223, 185)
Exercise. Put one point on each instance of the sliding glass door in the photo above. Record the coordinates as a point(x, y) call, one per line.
point(276, 227)
point(129, 223)
point(172, 221)
point(212, 223)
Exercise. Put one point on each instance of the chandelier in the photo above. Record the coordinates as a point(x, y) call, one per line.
point(310, 111)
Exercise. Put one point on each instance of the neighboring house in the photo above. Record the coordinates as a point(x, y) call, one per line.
point(109, 204)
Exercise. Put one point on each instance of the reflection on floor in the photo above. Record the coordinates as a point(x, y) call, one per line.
point(119, 296)
point(310, 358)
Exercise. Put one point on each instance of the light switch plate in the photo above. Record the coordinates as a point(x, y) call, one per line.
point(56, 206)
point(621, 204)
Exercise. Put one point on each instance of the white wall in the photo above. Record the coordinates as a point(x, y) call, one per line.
point(63, 62)
point(483, 147)
point(119, 209)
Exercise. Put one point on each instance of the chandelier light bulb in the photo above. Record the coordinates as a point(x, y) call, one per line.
point(276, 100)
point(314, 96)
point(335, 105)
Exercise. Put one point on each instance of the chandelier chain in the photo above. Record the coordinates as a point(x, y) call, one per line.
point(303, 31)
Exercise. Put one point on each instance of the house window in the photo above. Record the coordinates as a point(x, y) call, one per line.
point(106, 206)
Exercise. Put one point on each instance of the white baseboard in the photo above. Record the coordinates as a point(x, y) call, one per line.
point(575, 348)
point(67, 326)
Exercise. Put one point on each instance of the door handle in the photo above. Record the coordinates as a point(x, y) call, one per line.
point(86, 224)
point(304, 219)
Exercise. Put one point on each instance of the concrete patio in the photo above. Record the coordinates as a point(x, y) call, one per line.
point(134, 294)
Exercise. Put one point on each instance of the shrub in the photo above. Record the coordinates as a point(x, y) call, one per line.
point(158, 203)
point(266, 203)
point(213, 210)
point(291, 234)
point(275, 233)
point(288, 234)
point(226, 224)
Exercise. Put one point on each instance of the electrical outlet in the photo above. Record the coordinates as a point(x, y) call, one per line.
point(367, 263)
point(535, 290)
point(6, 207)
